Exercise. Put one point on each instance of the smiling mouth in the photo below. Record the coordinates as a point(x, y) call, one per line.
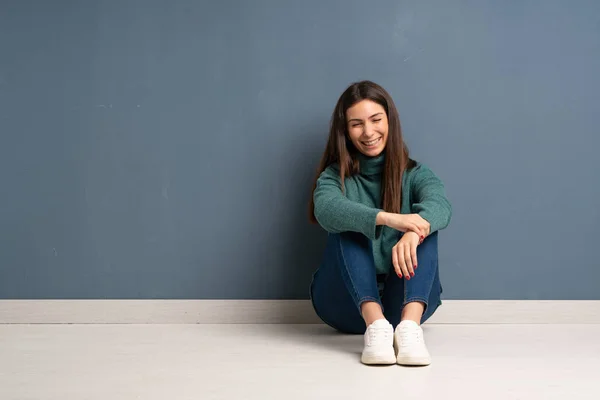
point(372, 143)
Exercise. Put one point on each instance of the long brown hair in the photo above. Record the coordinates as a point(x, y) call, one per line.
point(341, 151)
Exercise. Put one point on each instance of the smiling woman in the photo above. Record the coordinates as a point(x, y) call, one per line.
point(368, 132)
point(383, 212)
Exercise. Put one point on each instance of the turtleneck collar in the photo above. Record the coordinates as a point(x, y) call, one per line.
point(371, 165)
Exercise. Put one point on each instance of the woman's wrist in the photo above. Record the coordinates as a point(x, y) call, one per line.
point(382, 218)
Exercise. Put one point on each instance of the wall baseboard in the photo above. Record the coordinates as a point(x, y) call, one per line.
point(280, 312)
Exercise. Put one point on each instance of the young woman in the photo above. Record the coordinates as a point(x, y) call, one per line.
point(383, 210)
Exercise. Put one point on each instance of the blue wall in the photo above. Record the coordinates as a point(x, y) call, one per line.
point(165, 149)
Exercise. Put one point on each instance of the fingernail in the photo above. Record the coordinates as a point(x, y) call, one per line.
point(422, 237)
point(407, 278)
point(412, 274)
point(416, 266)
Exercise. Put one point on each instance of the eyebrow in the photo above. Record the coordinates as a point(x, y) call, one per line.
point(360, 120)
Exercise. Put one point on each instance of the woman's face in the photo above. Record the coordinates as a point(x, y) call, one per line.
point(367, 127)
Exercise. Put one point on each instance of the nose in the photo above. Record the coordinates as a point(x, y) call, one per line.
point(369, 130)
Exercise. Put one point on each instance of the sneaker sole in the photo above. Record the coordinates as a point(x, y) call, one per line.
point(378, 359)
point(422, 361)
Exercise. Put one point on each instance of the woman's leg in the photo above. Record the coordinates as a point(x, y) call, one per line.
point(422, 290)
point(344, 288)
point(408, 303)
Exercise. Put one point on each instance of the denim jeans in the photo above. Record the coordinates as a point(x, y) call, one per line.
point(347, 277)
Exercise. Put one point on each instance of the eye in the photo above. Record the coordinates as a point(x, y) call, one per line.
point(355, 125)
point(377, 120)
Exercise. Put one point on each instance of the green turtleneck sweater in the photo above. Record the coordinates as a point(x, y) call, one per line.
point(356, 209)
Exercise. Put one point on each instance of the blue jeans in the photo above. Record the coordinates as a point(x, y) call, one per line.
point(347, 278)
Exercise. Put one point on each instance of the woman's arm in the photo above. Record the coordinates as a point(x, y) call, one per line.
point(429, 199)
point(336, 213)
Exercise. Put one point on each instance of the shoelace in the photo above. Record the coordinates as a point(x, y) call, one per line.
point(379, 333)
point(410, 336)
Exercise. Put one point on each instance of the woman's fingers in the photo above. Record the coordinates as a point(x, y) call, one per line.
point(399, 260)
point(421, 233)
point(404, 255)
point(395, 261)
point(402, 261)
point(413, 253)
point(413, 227)
point(423, 224)
point(418, 230)
point(425, 229)
point(408, 261)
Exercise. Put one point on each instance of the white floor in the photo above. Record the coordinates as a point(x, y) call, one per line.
point(205, 362)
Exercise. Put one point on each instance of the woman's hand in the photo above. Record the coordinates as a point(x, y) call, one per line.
point(405, 223)
point(404, 255)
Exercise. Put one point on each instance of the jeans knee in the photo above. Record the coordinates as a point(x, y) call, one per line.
point(429, 247)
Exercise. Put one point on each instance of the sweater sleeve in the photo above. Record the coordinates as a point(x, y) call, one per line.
point(336, 213)
point(430, 200)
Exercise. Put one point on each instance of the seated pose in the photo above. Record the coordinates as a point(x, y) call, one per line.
point(379, 274)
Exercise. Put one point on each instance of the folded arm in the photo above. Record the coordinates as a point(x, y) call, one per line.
point(336, 213)
point(429, 199)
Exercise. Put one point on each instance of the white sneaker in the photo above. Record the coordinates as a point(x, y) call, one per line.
point(411, 344)
point(379, 344)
